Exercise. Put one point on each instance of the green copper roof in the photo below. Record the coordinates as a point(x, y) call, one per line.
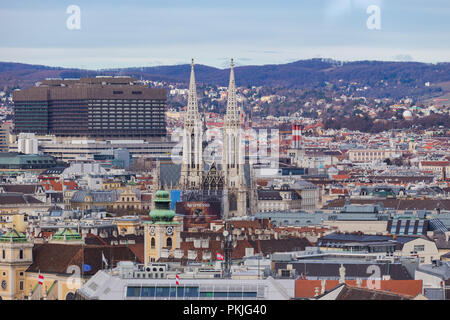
point(13, 236)
point(67, 234)
point(162, 212)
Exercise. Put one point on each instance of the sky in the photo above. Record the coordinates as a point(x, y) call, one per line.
point(132, 33)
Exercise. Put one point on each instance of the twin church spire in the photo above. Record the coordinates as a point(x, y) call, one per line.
point(192, 166)
point(233, 151)
point(232, 117)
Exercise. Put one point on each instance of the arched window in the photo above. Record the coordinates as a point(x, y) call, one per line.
point(152, 244)
point(169, 242)
point(233, 202)
point(70, 296)
point(21, 254)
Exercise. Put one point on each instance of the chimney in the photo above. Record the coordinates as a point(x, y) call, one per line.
point(316, 291)
point(358, 282)
point(342, 274)
point(323, 283)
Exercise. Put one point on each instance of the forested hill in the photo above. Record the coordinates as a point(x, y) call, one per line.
point(383, 79)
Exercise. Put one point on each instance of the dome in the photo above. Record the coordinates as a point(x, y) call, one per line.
point(13, 236)
point(162, 194)
point(67, 234)
point(162, 212)
point(407, 114)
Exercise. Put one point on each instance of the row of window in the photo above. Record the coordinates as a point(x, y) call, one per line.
point(21, 255)
point(184, 292)
point(128, 100)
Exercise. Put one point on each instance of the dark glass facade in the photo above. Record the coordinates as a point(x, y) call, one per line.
point(91, 108)
point(31, 116)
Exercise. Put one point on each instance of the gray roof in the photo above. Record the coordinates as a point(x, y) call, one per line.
point(97, 196)
point(169, 174)
point(442, 271)
point(269, 195)
point(363, 238)
point(17, 198)
point(352, 208)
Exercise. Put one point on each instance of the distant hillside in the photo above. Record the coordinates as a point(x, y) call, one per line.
point(403, 78)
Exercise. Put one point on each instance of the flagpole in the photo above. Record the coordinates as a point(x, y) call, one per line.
point(39, 282)
point(82, 264)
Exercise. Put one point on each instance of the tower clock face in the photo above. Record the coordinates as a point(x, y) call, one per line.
point(169, 231)
point(4, 284)
point(152, 231)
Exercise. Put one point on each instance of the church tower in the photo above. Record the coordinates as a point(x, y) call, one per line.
point(233, 154)
point(162, 234)
point(192, 165)
point(15, 258)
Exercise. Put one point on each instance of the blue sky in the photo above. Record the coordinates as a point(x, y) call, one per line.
point(117, 34)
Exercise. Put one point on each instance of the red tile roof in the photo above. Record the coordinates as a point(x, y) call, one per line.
point(306, 288)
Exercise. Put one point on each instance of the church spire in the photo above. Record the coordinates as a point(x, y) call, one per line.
point(192, 115)
point(192, 165)
point(232, 115)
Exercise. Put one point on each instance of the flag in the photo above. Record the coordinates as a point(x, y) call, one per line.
point(104, 260)
point(220, 257)
point(176, 281)
point(41, 279)
point(87, 267)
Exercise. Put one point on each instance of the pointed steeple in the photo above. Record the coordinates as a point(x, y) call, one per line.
point(192, 165)
point(192, 114)
point(232, 115)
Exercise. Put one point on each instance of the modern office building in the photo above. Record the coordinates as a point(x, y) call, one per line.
point(108, 107)
point(156, 281)
point(69, 149)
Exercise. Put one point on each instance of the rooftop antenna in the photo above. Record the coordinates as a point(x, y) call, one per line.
point(227, 249)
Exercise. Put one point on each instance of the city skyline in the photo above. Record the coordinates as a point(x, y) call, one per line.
point(137, 34)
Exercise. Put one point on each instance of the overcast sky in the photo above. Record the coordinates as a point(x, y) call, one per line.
point(164, 32)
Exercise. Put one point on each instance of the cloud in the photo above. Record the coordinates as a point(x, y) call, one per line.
point(403, 57)
point(338, 8)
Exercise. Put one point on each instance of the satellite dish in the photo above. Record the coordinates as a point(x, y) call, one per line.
point(225, 233)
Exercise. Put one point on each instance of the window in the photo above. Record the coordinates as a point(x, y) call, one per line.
point(419, 248)
point(206, 294)
point(21, 285)
point(162, 291)
point(173, 292)
point(169, 242)
point(235, 294)
point(191, 292)
point(153, 243)
point(133, 291)
point(220, 294)
point(148, 292)
point(249, 294)
point(3, 254)
point(21, 254)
